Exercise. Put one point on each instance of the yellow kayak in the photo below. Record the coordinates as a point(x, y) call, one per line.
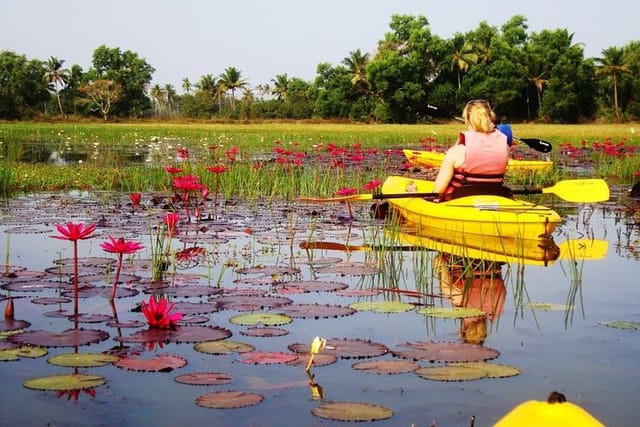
point(434, 159)
point(471, 218)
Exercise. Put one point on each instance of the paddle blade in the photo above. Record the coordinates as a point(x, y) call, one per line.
point(580, 190)
point(537, 144)
point(583, 249)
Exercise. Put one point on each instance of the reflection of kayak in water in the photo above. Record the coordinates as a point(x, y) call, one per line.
point(573, 249)
point(434, 159)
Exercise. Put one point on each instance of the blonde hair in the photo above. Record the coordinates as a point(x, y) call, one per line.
point(479, 116)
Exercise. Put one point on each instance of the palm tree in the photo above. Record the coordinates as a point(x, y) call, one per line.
point(612, 66)
point(231, 79)
point(356, 63)
point(186, 85)
point(280, 87)
point(56, 77)
point(535, 72)
point(170, 96)
point(157, 94)
point(462, 58)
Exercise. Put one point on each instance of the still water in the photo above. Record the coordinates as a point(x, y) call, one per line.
point(552, 327)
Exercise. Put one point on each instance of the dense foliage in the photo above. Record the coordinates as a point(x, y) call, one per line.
point(526, 76)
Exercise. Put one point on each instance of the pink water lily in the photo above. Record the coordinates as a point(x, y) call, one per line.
point(158, 313)
point(73, 232)
point(120, 246)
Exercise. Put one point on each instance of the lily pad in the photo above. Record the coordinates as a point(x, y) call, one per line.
point(222, 347)
point(446, 352)
point(320, 359)
point(68, 338)
point(387, 367)
point(314, 286)
point(13, 325)
point(547, 306)
point(451, 373)
point(267, 319)
point(346, 348)
point(620, 324)
point(382, 306)
point(198, 333)
point(267, 357)
point(351, 411)
point(159, 363)
point(315, 311)
point(65, 382)
point(250, 302)
point(258, 331)
point(204, 378)
point(82, 360)
point(451, 312)
point(13, 354)
point(349, 269)
point(493, 370)
point(228, 399)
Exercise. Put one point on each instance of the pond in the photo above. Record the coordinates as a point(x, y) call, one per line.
point(569, 326)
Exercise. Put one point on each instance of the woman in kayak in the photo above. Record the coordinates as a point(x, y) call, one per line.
point(480, 155)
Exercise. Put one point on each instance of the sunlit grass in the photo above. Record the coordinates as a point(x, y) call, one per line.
point(101, 151)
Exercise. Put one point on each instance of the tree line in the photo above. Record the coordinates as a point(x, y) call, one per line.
point(526, 76)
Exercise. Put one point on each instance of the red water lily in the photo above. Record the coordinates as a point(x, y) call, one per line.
point(158, 313)
point(73, 232)
point(135, 199)
point(171, 221)
point(172, 170)
point(119, 246)
point(372, 185)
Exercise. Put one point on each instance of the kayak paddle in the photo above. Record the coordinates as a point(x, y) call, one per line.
point(571, 190)
point(535, 143)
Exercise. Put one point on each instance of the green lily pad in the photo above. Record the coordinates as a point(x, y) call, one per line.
point(620, 324)
point(492, 370)
point(451, 313)
point(351, 411)
point(222, 347)
point(82, 360)
point(383, 306)
point(65, 382)
point(546, 306)
point(267, 319)
point(451, 373)
point(23, 351)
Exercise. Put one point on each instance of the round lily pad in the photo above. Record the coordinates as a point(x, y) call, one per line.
point(493, 370)
point(82, 360)
point(228, 399)
point(267, 357)
point(547, 306)
point(351, 411)
point(382, 306)
point(204, 378)
point(222, 347)
point(23, 351)
point(620, 324)
point(446, 352)
point(65, 382)
point(346, 348)
point(7, 325)
point(257, 331)
point(315, 311)
point(450, 373)
point(388, 367)
point(68, 338)
point(451, 312)
point(267, 319)
point(159, 363)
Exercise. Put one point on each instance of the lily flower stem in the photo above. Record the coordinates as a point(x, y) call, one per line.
point(75, 280)
point(115, 282)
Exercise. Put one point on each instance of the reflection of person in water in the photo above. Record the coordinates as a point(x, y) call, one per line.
point(472, 284)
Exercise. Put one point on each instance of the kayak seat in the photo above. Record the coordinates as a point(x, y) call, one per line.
point(476, 189)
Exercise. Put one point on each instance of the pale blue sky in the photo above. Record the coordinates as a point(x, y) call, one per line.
point(263, 38)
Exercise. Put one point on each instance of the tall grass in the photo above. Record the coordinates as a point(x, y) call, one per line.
point(104, 150)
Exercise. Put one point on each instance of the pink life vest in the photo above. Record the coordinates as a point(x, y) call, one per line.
point(486, 158)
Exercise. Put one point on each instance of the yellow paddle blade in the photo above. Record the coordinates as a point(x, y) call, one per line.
point(580, 190)
point(583, 249)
